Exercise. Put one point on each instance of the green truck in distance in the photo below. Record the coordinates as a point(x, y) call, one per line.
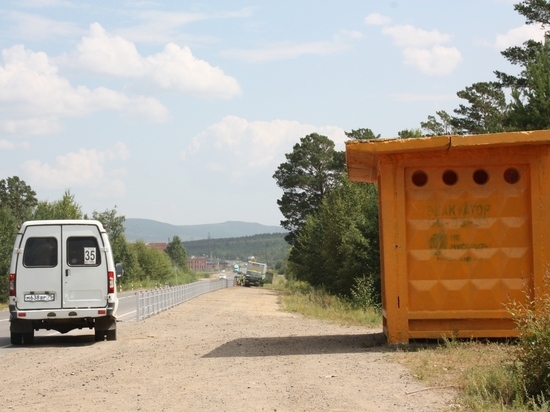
point(254, 275)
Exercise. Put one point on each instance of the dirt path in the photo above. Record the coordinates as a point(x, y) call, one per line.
point(230, 350)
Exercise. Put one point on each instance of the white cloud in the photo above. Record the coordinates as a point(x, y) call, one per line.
point(7, 145)
point(175, 68)
point(87, 168)
point(33, 126)
point(421, 49)
point(519, 35)
point(34, 27)
point(166, 20)
point(161, 27)
point(409, 36)
point(290, 50)
point(102, 53)
point(34, 97)
point(438, 60)
point(376, 19)
point(257, 145)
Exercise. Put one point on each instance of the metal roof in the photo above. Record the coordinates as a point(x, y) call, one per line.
point(362, 155)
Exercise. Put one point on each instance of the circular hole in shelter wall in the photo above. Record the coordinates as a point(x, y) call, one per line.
point(481, 177)
point(511, 175)
point(419, 178)
point(450, 177)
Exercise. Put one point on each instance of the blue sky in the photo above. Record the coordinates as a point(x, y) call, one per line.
point(181, 111)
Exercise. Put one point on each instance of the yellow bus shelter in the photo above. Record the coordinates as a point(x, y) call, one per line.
point(464, 227)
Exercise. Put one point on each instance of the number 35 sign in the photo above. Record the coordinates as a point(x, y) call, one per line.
point(89, 255)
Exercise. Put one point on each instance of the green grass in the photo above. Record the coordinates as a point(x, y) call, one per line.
point(316, 303)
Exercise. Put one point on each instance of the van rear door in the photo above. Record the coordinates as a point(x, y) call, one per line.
point(85, 280)
point(38, 270)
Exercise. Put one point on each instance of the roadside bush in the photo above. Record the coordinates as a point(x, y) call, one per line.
point(533, 351)
point(521, 382)
point(364, 294)
point(152, 264)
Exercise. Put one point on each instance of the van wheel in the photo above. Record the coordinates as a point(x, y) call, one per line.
point(28, 338)
point(111, 334)
point(16, 338)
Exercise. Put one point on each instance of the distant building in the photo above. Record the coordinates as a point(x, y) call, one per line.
point(197, 263)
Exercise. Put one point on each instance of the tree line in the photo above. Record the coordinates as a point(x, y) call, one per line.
point(333, 222)
point(142, 264)
point(269, 248)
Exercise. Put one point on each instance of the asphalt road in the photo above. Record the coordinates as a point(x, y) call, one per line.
point(126, 313)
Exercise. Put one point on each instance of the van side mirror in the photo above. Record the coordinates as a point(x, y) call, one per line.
point(119, 269)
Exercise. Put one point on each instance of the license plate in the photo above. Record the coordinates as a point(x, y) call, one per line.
point(40, 297)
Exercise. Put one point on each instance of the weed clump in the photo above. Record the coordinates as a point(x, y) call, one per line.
point(364, 295)
point(520, 381)
point(533, 350)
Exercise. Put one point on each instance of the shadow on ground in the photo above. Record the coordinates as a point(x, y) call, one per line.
point(59, 341)
point(299, 345)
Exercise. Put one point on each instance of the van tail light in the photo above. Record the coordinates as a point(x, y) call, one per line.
point(12, 284)
point(111, 276)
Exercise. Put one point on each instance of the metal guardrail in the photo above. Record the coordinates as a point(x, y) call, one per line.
point(151, 302)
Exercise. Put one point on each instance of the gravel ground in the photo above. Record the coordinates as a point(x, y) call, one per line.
point(230, 350)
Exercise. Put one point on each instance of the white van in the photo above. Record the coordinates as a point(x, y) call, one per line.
point(62, 277)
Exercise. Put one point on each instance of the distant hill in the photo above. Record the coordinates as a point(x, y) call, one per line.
point(266, 248)
point(153, 231)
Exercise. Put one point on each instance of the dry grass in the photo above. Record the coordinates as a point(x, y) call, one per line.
point(451, 362)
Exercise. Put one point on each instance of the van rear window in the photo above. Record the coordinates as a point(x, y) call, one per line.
point(40, 252)
point(83, 251)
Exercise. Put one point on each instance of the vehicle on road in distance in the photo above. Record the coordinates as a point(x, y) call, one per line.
point(62, 277)
point(254, 275)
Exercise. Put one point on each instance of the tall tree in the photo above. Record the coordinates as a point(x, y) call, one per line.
point(535, 12)
point(518, 55)
point(177, 252)
point(362, 134)
point(65, 208)
point(311, 170)
point(530, 107)
point(485, 112)
point(340, 242)
point(18, 197)
point(122, 252)
point(113, 224)
point(438, 125)
point(8, 230)
point(17, 202)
